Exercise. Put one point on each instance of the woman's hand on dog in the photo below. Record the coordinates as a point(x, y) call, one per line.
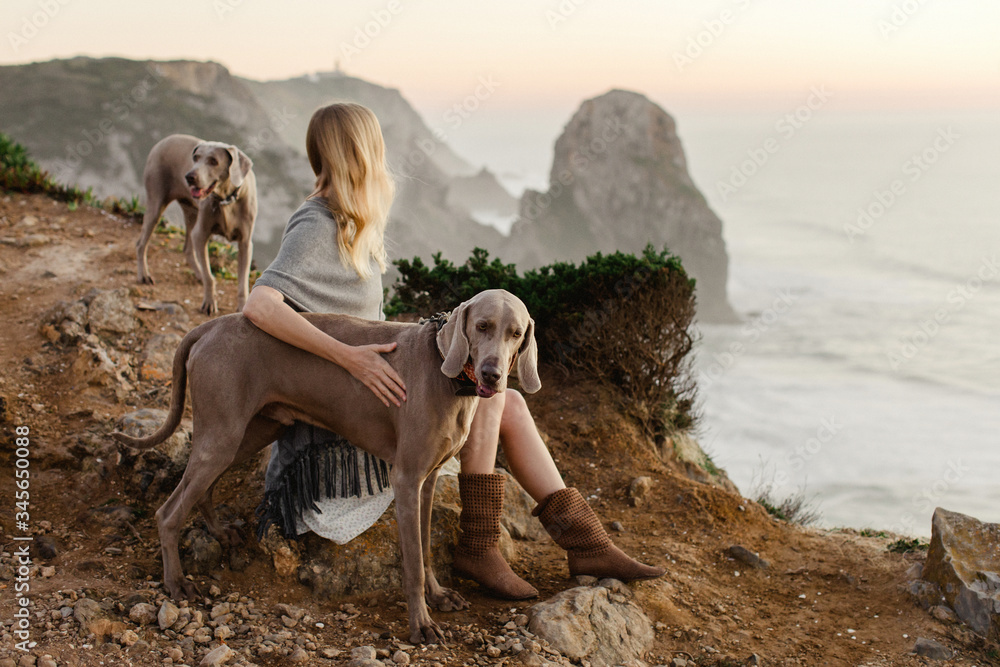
point(368, 366)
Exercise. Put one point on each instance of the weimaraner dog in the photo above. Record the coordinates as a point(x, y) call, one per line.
point(246, 385)
point(217, 190)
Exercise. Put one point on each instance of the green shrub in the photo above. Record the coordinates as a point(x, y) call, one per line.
point(902, 546)
point(19, 174)
point(622, 319)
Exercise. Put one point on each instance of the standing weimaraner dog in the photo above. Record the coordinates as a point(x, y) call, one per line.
point(217, 191)
point(246, 385)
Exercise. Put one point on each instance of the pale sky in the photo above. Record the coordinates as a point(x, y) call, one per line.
point(727, 54)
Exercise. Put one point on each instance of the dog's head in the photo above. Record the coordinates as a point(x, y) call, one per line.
point(493, 332)
point(216, 166)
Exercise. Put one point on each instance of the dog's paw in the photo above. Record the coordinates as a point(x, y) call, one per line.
point(230, 537)
point(447, 600)
point(209, 308)
point(183, 589)
point(427, 633)
point(146, 280)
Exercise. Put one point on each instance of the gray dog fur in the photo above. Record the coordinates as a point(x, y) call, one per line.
point(181, 163)
point(245, 385)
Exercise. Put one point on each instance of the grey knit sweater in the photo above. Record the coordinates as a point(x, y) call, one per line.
point(309, 272)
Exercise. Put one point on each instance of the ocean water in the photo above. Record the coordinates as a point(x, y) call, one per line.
point(865, 265)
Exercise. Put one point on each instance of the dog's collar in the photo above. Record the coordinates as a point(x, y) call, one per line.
point(233, 196)
point(466, 380)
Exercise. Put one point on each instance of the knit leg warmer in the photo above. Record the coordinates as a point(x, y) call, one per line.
point(477, 555)
point(569, 520)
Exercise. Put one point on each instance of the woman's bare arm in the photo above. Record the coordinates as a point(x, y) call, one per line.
point(266, 308)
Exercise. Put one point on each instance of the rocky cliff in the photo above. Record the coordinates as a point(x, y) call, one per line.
point(619, 180)
point(92, 122)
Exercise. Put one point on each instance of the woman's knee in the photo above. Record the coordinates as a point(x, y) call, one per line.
point(515, 410)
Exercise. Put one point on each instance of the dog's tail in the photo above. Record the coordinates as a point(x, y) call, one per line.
point(176, 396)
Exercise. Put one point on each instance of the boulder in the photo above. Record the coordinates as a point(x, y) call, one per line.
point(372, 561)
point(963, 560)
point(619, 180)
point(143, 422)
point(158, 357)
point(600, 624)
point(111, 312)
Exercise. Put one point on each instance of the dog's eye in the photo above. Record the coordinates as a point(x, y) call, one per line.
point(517, 334)
point(212, 161)
point(482, 326)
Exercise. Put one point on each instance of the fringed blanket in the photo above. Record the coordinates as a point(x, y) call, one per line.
point(310, 466)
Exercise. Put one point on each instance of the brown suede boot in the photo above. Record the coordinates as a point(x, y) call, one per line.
point(477, 555)
point(568, 519)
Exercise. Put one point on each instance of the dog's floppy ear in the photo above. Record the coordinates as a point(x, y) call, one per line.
point(453, 342)
point(239, 166)
point(527, 361)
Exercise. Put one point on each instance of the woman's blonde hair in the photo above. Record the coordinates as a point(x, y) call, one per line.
point(347, 153)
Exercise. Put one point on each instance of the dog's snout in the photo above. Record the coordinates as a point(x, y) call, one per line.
point(190, 178)
point(491, 373)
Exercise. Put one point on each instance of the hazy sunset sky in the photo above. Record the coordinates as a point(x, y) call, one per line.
point(695, 55)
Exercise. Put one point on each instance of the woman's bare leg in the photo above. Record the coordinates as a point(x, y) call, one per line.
point(527, 455)
point(479, 454)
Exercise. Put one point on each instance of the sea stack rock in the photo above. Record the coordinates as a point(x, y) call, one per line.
point(619, 180)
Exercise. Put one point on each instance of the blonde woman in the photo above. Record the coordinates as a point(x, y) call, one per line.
point(331, 259)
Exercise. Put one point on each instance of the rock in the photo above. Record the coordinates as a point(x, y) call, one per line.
point(929, 648)
point(143, 422)
point(220, 610)
point(46, 661)
point(111, 312)
point(618, 526)
point(175, 654)
point(747, 557)
point(964, 561)
point(298, 655)
point(684, 449)
point(167, 615)
point(619, 159)
point(944, 614)
point(362, 656)
point(47, 546)
point(129, 638)
point(158, 357)
point(86, 611)
point(291, 611)
point(26, 241)
point(143, 613)
point(47, 571)
point(678, 662)
point(99, 365)
point(285, 554)
point(638, 490)
point(202, 552)
point(401, 658)
point(585, 623)
point(217, 656)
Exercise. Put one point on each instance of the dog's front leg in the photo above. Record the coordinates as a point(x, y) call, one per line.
point(199, 241)
point(422, 626)
point(245, 255)
point(439, 597)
